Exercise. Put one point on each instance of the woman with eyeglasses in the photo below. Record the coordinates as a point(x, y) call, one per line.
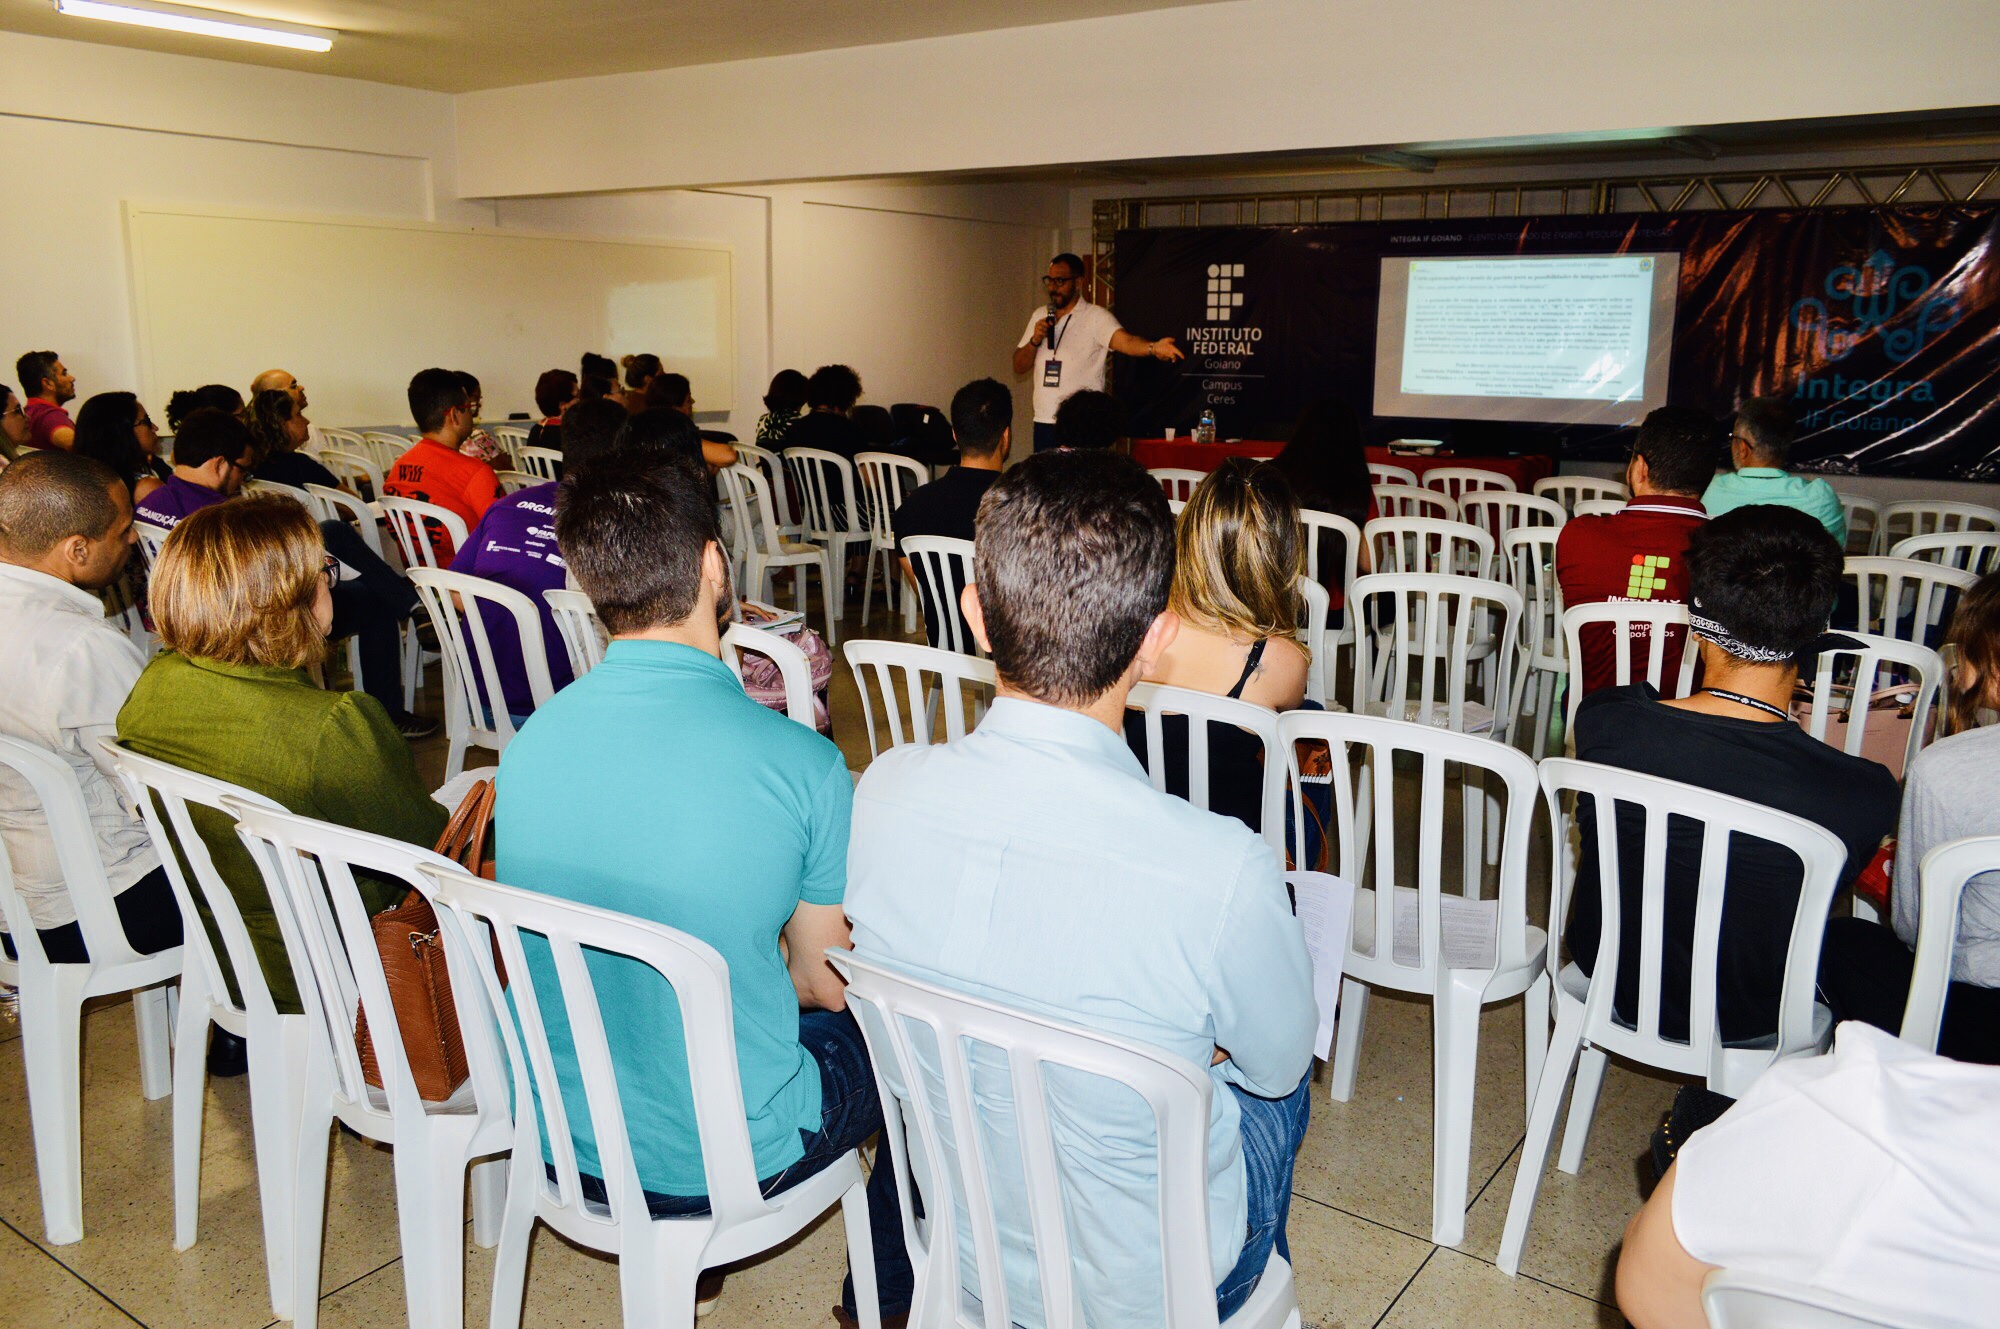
point(115, 428)
point(13, 425)
point(242, 597)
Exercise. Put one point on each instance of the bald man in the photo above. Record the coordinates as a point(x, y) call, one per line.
point(279, 380)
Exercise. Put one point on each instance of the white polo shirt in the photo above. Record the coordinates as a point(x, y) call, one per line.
point(64, 674)
point(1082, 341)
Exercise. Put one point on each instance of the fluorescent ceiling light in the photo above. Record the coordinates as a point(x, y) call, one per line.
point(202, 22)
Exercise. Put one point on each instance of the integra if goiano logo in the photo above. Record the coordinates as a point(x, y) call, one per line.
point(1864, 297)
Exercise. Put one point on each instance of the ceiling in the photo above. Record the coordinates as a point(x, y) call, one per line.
point(459, 45)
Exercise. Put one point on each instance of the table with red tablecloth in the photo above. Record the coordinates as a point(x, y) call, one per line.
point(1186, 454)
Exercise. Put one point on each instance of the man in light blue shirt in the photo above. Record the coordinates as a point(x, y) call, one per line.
point(1032, 862)
point(654, 787)
point(1758, 449)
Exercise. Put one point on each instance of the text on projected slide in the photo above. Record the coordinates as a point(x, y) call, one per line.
point(1557, 328)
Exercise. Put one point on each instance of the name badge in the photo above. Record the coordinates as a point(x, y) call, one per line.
point(1052, 373)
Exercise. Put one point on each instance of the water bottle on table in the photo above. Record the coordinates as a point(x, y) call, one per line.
point(1205, 431)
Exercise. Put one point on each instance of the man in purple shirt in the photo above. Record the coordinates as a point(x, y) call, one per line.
point(514, 544)
point(213, 451)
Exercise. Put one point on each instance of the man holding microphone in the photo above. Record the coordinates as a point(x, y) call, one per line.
point(1068, 344)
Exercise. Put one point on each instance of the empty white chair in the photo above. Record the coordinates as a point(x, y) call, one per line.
point(1864, 523)
point(944, 566)
point(1735, 1299)
point(833, 508)
point(1944, 874)
point(277, 1043)
point(1319, 526)
point(1904, 598)
point(659, 1259)
point(1203, 711)
point(1839, 713)
point(1567, 489)
point(417, 526)
point(773, 468)
point(1178, 481)
point(934, 1090)
point(782, 651)
point(1598, 507)
point(1412, 501)
point(583, 636)
point(513, 482)
point(475, 709)
point(1622, 619)
point(326, 924)
point(887, 478)
point(1428, 544)
point(1399, 935)
point(1977, 552)
point(1931, 516)
point(1383, 473)
point(1497, 512)
point(1430, 630)
point(386, 449)
point(542, 463)
point(511, 438)
point(1587, 1027)
point(1457, 482)
point(350, 439)
point(293, 492)
point(1528, 559)
point(929, 679)
point(52, 995)
point(764, 550)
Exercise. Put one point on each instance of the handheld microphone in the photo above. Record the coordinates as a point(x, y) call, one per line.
point(1052, 325)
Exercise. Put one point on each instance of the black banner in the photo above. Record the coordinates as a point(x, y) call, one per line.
point(1882, 325)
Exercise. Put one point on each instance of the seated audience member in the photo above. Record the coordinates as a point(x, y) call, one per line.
point(640, 371)
point(114, 428)
point(831, 393)
point(1640, 552)
point(594, 388)
point(65, 533)
point(48, 385)
point(598, 366)
point(1761, 582)
point(1238, 555)
point(478, 443)
point(1090, 419)
point(1871, 1173)
point(242, 599)
point(555, 392)
point(13, 425)
point(1085, 895)
point(656, 757)
point(435, 471)
point(782, 404)
point(1327, 466)
point(673, 392)
point(661, 428)
point(280, 380)
point(1949, 793)
point(515, 545)
point(982, 418)
point(213, 454)
point(212, 396)
point(1758, 449)
point(281, 430)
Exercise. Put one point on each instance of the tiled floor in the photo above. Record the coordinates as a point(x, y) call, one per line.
point(1359, 1223)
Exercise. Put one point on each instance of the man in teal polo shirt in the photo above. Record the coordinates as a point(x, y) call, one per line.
point(1758, 449)
point(654, 787)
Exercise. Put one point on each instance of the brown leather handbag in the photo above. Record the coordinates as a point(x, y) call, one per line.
point(413, 961)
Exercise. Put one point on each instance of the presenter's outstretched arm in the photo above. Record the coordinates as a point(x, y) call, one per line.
point(1125, 343)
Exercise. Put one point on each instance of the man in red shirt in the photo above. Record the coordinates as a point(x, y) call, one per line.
point(435, 471)
point(1640, 552)
point(47, 385)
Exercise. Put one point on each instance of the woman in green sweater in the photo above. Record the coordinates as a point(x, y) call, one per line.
point(242, 599)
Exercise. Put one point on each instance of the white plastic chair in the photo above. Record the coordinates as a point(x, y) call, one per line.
point(326, 923)
point(1429, 627)
point(583, 636)
point(930, 678)
point(773, 468)
point(764, 550)
point(293, 492)
point(1977, 552)
point(513, 482)
point(1864, 523)
point(1383, 473)
point(1496, 512)
point(52, 995)
point(277, 1043)
point(887, 478)
point(833, 508)
point(1622, 618)
point(1528, 557)
point(1599, 507)
point(1401, 500)
point(934, 1095)
point(1312, 636)
point(410, 521)
point(1862, 669)
point(1202, 710)
point(1933, 516)
point(475, 709)
point(1402, 947)
point(1458, 482)
point(350, 439)
point(331, 504)
point(943, 565)
point(386, 449)
point(1178, 481)
point(542, 463)
point(1587, 1029)
point(151, 538)
point(1339, 626)
point(1428, 544)
point(1738, 1299)
point(792, 664)
point(511, 438)
point(1944, 874)
point(1904, 598)
point(1567, 489)
point(659, 1259)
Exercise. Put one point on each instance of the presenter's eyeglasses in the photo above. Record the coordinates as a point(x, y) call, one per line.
point(1058, 281)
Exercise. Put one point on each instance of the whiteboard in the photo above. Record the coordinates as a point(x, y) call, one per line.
point(354, 307)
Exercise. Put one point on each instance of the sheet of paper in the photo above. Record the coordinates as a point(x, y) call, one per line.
point(452, 792)
point(1325, 907)
point(1466, 930)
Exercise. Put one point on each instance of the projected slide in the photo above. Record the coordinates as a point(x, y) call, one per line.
point(1578, 339)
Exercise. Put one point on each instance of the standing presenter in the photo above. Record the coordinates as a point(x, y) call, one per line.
point(1068, 343)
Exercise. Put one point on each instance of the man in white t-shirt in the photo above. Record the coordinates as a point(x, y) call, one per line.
point(1872, 1172)
point(1068, 343)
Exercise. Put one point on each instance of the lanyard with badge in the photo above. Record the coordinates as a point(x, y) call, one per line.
point(1052, 367)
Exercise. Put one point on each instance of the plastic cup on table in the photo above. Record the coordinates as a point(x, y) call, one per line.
point(1172, 433)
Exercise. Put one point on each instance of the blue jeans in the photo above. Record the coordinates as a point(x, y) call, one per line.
point(850, 1114)
point(1273, 1130)
point(1045, 436)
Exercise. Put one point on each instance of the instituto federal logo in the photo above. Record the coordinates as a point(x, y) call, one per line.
point(1223, 298)
point(1649, 575)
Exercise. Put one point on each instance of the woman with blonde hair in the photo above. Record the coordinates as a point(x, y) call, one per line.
point(242, 598)
point(1238, 555)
